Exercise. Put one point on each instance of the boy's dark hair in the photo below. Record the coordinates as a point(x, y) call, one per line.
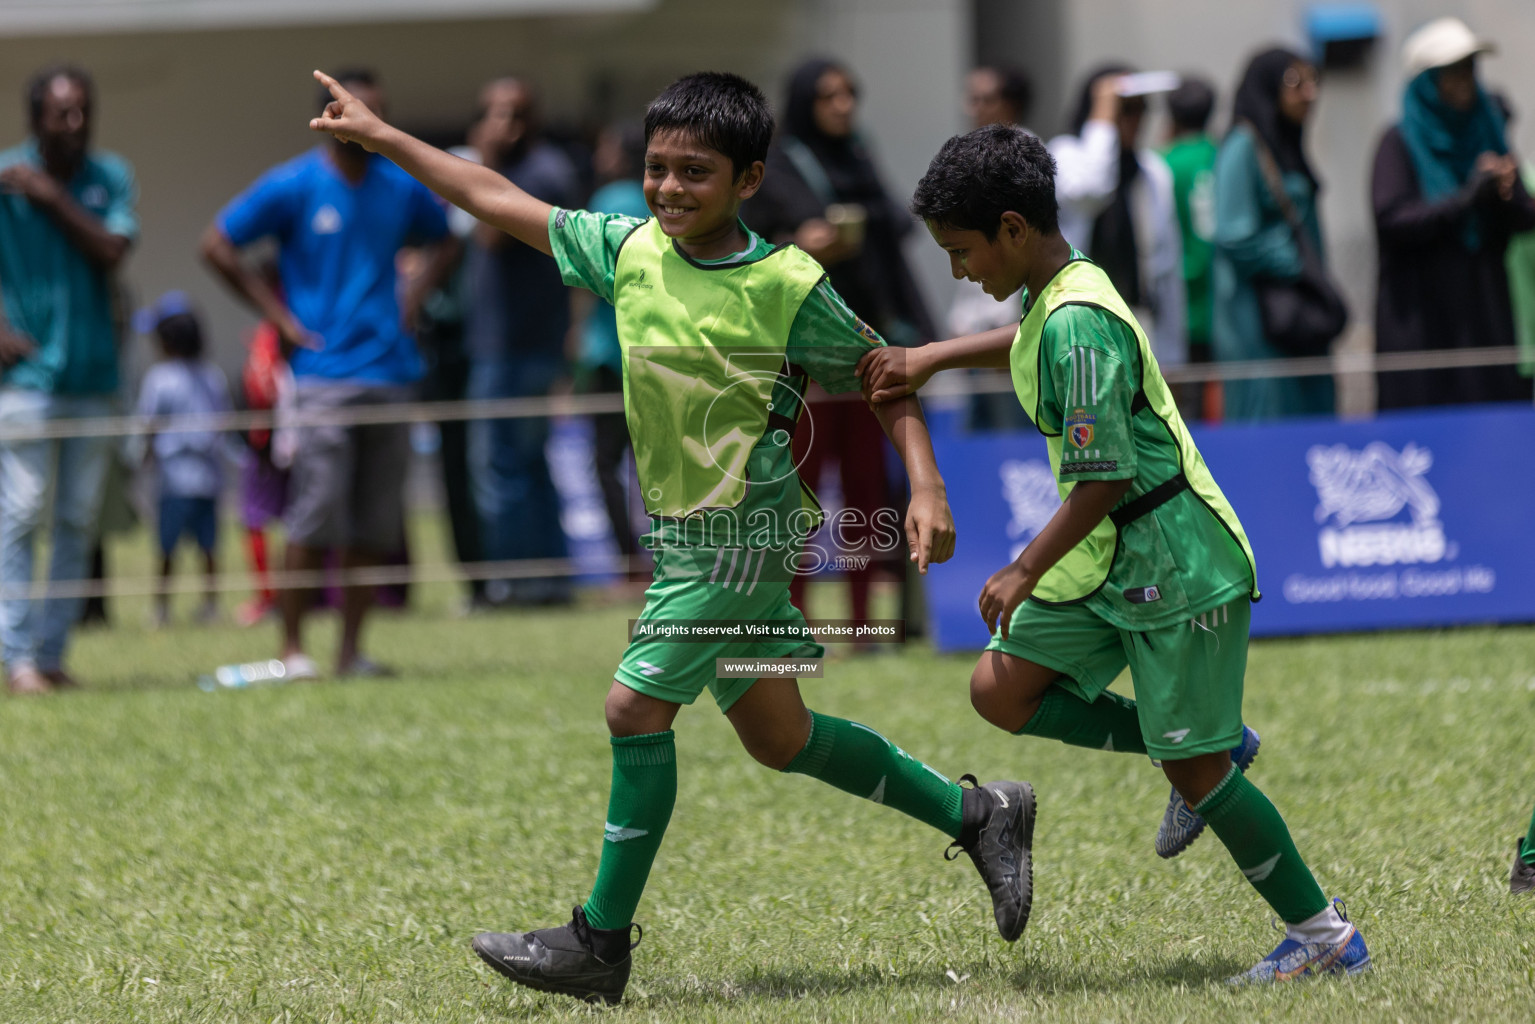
point(37, 88)
point(1014, 86)
point(181, 336)
point(1191, 103)
point(979, 176)
point(346, 78)
point(722, 111)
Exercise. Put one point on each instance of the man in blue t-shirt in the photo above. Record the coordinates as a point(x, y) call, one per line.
point(339, 216)
point(67, 220)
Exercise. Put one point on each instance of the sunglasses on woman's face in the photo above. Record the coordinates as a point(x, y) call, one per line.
point(1294, 78)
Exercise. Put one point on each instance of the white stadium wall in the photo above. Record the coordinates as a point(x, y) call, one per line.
point(201, 113)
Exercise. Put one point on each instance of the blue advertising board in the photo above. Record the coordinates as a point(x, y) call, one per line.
point(1410, 519)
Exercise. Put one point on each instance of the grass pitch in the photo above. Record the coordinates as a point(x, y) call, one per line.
point(324, 852)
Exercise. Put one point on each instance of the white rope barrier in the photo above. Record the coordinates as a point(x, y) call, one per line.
point(947, 385)
point(309, 579)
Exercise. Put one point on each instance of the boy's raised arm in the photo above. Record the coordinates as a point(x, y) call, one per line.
point(469, 186)
point(889, 371)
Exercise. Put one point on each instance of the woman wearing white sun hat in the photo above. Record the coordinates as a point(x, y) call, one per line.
point(1446, 195)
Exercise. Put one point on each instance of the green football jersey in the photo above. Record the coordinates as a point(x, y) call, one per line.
point(1086, 377)
point(716, 358)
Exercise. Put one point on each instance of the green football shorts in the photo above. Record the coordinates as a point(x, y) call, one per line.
point(1188, 678)
point(712, 585)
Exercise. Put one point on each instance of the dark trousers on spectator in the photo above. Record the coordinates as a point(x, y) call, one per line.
point(513, 490)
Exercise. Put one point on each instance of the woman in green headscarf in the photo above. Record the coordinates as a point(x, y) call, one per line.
point(1447, 196)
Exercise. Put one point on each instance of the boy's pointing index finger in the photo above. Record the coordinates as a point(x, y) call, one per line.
point(334, 86)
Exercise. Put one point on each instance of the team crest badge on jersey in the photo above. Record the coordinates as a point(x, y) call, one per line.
point(1079, 428)
point(864, 329)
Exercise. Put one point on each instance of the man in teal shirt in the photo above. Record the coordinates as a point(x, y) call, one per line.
point(67, 220)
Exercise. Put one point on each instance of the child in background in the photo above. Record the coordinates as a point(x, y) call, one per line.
point(1190, 155)
point(264, 475)
point(188, 462)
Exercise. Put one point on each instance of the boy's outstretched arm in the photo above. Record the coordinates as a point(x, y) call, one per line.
point(929, 524)
point(469, 186)
point(889, 372)
point(1084, 508)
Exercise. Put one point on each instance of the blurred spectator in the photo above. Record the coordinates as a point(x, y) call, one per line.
point(117, 519)
point(619, 161)
point(517, 316)
point(1520, 261)
point(993, 95)
point(997, 94)
point(1117, 206)
point(1447, 196)
point(67, 220)
point(339, 215)
point(267, 384)
point(440, 335)
point(823, 192)
point(1190, 155)
point(1253, 240)
point(189, 464)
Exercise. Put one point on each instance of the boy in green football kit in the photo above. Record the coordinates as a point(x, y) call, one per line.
point(719, 331)
point(1521, 877)
point(1145, 564)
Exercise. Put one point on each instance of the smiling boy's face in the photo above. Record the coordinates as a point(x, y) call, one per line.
point(692, 189)
point(999, 265)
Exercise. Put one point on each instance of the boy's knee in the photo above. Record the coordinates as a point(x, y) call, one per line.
point(630, 713)
point(778, 746)
point(776, 754)
point(992, 701)
point(1196, 777)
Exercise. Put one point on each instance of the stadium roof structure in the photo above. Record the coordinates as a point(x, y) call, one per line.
point(73, 17)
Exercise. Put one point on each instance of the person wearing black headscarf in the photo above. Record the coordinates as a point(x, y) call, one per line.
point(819, 171)
point(1447, 196)
point(1253, 241)
point(1118, 208)
point(823, 193)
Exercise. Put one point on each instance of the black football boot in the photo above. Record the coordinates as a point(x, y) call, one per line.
point(997, 832)
point(573, 960)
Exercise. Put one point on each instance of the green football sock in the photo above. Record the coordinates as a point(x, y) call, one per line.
point(1108, 723)
point(639, 808)
point(858, 760)
point(1245, 820)
point(1527, 848)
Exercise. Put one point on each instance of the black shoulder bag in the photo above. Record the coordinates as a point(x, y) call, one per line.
point(1301, 317)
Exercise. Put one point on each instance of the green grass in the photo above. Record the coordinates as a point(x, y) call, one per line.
point(324, 852)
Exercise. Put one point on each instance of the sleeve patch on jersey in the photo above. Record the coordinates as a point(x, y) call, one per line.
point(1079, 428)
point(865, 330)
point(1106, 466)
point(559, 219)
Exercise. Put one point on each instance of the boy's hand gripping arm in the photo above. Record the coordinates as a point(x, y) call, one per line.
point(929, 524)
point(1085, 507)
point(889, 372)
point(469, 186)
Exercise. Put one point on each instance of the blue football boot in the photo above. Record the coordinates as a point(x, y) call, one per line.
point(1180, 825)
point(1292, 959)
